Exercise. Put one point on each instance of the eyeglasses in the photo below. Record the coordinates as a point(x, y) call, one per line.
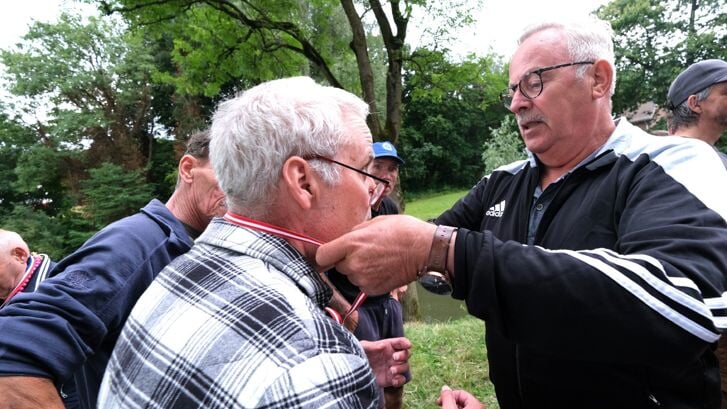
point(377, 195)
point(531, 84)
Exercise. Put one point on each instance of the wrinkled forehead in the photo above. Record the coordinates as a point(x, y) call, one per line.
point(541, 49)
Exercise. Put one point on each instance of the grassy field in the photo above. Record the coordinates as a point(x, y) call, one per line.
point(430, 207)
point(451, 353)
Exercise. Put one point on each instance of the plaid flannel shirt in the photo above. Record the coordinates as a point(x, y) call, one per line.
point(237, 322)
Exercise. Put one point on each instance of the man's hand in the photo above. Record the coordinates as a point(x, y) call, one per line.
point(459, 399)
point(381, 254)
point(29, 392)
point(389, 359)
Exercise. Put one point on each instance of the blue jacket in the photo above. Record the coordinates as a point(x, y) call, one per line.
point(619, 301)
point(69, 325)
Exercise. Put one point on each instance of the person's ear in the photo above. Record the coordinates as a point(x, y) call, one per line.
point(186, 164)
point(298, 180)
point(693, 104)
point(602, 78)
point(20, 253)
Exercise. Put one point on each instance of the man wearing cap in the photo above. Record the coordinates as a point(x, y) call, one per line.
point(379, 317)
point(698, 101)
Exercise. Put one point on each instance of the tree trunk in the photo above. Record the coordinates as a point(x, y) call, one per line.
point(366, 75)
point(395, 52)
point(692, 32)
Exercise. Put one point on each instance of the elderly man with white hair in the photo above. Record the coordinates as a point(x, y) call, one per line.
point(239, 321)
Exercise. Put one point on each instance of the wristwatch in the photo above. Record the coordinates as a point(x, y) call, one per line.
point(435, 277)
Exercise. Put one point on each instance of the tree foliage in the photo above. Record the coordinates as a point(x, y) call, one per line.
point(112, 193)
point(657, 39)
point(255, 40)
point(89, 86)
point(449, 108)
point(504, 145)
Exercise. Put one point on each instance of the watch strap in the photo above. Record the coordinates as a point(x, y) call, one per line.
point(440, 249)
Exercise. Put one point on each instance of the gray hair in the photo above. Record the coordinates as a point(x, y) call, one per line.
point(682, 116)
point(587, 40)
point(198, 146)
point(253, 134)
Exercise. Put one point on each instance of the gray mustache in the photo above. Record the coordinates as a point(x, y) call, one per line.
point(529, 117)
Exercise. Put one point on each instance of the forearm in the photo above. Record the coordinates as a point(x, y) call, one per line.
point(25, 392)
point(570, 301)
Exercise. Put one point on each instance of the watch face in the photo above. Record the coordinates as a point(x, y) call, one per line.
point(436, 283)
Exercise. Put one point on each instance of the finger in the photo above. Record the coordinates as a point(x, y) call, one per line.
point(333, 252)
point(398, 380)
point(446, 399)
point(402, 343)
point(398, 369)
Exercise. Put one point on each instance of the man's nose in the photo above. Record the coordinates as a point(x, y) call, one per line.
point(519, 102)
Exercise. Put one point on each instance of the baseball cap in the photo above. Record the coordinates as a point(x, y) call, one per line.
point(694, 79)
point(386, 149)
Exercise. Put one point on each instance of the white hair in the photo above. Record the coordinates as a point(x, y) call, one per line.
point(588, 39)
point(253, 134)
point(10, 239)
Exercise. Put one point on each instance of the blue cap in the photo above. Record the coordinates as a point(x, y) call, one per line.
point(386, 150)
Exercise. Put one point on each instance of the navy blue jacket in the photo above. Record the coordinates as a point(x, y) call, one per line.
point(619, 302)
point(68, 327)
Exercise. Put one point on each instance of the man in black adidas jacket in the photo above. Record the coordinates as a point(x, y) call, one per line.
point(598, 263)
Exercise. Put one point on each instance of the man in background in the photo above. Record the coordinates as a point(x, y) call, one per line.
point(379, 316)
point(65, 331)
point(698, 102)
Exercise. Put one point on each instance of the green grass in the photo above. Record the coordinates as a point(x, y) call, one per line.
point(432, 206)
point(451, 354)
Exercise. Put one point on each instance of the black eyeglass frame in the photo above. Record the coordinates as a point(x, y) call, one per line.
point(376, 178)
point(377, 196)
point(507, 95)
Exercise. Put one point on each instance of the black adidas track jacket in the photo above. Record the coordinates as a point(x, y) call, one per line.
point(620, 302)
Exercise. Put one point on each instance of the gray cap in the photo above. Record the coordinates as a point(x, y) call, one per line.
point(694, 79)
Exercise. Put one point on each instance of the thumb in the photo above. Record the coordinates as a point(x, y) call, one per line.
point(332, 252)
point(446, 398)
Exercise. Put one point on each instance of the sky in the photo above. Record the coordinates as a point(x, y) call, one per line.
point(500, 22)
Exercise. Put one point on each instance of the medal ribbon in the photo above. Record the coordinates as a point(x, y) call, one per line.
point(26, 279)
point(288, 234)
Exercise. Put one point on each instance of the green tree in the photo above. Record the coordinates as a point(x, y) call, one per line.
point(503, 146)
point(112, 193)
point(14, 136)
point(96, 78)
point(258, 40)
point(449, 108)
point(657, 39)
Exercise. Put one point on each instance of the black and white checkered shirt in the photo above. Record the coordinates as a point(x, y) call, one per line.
point(237, 322)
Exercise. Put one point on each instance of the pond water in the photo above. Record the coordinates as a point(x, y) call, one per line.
point(439, 308)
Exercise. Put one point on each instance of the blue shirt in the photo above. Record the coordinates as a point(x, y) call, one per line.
point(69, 325)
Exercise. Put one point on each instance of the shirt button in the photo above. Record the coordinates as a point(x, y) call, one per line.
point(539, 207)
